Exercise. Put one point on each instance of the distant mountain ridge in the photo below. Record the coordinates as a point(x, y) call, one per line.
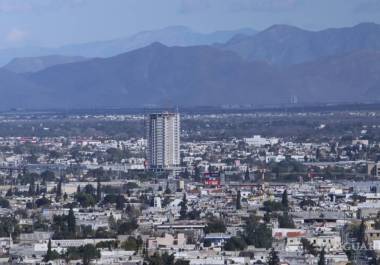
point(171, 36)
point(35, 64)
point(286, 45)
point(209, 75)
point(191, 76)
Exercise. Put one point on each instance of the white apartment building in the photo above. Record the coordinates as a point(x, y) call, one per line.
point(163, 135)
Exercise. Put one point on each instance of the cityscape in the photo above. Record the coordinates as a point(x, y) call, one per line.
point(152, 197)
point(190, 132)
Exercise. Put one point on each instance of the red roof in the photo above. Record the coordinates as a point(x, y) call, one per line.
point(295, 234)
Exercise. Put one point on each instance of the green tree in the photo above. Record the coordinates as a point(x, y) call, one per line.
point(194, 214)
point(120, 200)
point(98, 191)
point(59, 190)
point(361, 233)
point(127, 227)
point(372, 257)
point(9, 227)
point(318, 154)
point(59, 226)
point(89, 252)
point(272, 206)
point(257, 234)
point(307, 203)
point(112, 222)
point(168, 259)
point(308, 248)
point(4, 203)
point(377, 221)
point(42, 202)
point(273, 258)
point(167, 189)
point(71, 222)
point(186, 174)
point(166, 201)
point(215, 225)
point(246, 175)
point(197, 174)
point(266, 217)
point(284, 200)
point(49, 253)
point(157, 259)
point(47, 176)
point(285, 221)
point(183, 210)
point(133, 244)
point(32, 187)
point(108, 244)
point(238, 200)
point(235, 243)
point(322, 258)
point(9, 193)
point(89, 189)
point(85, 199)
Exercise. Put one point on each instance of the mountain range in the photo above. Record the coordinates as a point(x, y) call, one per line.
point(283, 44)
point(35, 64)
point(171, 36)
point(211, 74)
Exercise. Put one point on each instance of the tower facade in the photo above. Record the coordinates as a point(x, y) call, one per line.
point(163, 135)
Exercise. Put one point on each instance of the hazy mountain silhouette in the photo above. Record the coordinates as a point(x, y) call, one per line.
point(171, 36)
point(35, 64)
point(199, 75)
point(282, 44)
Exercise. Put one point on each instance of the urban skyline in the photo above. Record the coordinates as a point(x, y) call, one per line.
point(271, 157)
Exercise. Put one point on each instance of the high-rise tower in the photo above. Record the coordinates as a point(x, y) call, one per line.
point(163, 135)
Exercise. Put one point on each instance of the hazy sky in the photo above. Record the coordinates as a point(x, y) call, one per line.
point(59, 22)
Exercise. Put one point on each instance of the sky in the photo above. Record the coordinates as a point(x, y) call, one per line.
point(52, 23)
